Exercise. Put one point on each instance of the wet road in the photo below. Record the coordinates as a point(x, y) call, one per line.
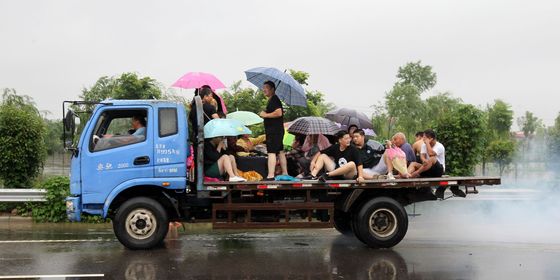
point(490, 236)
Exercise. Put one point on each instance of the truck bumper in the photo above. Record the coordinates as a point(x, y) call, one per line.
point(73, 208)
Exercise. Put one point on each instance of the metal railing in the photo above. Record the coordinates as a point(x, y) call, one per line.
point(22, 195)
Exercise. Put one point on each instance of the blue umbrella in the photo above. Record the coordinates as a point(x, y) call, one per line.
point(287, 89)
point(224, 127)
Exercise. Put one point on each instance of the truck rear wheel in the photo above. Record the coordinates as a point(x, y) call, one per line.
point(381, 222)
point(140, 223)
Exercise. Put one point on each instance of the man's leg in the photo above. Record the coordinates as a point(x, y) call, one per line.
point(322, 161)
point(345, 170)
point(271, 165)
point(283, 162)
point(413, 167)
point(424, 167)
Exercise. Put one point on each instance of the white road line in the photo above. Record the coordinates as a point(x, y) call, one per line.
point(51, 276)
point(54, 241)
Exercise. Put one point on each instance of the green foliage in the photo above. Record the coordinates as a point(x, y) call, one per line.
point(461, 131)
point(244, 99)
point(501, 152)
point(553, 140)
point(54, 209)
point(437, 106)
point(125, 86)
point(300, 76)
point(500, 118)
point(417, 75)
point(53, 139)
point(404, 103)
point(22, 146)
point(316, 106)
point(529, 123)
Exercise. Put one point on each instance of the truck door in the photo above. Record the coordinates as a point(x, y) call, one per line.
point(171, 143)
point(118, 147)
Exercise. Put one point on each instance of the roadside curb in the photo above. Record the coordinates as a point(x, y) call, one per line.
point(15, 219)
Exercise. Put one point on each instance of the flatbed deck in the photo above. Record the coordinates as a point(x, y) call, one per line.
point(368, 184)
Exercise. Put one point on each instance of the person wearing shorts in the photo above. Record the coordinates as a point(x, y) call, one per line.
point(217, 163)
point(273, 117)
point(372, 160)
point(433, 158)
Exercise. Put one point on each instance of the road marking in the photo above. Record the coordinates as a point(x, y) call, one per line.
point(55, 241)
point(51, 276)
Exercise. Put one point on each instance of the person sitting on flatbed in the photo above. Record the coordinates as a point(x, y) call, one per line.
point(217, 163)
point(373, 160)
point(340, 161)
point(432, 155)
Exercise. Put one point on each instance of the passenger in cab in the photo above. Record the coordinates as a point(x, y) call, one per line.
point(340, 161)
point(432, 154)
point(217, 163)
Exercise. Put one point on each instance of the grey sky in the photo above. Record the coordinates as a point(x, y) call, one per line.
point(481, 50)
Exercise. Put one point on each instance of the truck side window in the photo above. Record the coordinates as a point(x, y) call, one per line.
point(117, 128)
point(167, 122)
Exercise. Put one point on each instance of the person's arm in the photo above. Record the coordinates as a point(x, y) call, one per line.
point(215, 116)
point(275, 114)
point(423, 153)
point(429, 149)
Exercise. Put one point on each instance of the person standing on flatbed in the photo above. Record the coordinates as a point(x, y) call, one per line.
point(273, 117)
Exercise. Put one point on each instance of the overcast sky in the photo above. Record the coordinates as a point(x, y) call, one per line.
point(481, 50)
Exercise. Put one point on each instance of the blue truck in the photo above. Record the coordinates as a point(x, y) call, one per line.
point(144, 182)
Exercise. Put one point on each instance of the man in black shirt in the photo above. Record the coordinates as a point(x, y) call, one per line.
point(217, 163)
point(373, 160)
point(273, 117)
point(209, 111)
point(339, 160)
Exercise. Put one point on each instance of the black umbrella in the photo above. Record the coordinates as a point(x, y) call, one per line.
point(348, 117)
point(313, 125)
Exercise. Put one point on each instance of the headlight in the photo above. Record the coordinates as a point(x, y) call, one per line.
point(69, 205)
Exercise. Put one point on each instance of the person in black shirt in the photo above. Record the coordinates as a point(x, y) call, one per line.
point(373, 160)
point(273, 117)
point(217, 163)
point(339, 160)
point(209, 111)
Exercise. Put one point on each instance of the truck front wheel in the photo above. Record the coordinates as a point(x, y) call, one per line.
point(381, 222)
point(140, 223)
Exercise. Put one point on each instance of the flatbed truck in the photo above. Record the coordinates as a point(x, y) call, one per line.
point(144, 183)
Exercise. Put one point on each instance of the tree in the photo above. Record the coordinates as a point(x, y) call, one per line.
point(437, 106)
point(500, 118)
point(553, 140)
point(528, 124)
point(126, 86)
point(501, 152)
point(53, 139)
point(22, 146)
point(461, 131)
point(404, 103)
point(415, 74)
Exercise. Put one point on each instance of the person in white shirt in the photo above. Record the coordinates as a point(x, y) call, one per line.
point(432, 155)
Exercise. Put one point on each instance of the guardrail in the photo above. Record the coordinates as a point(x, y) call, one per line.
point(22, 195)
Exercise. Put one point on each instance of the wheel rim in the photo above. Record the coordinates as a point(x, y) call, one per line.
point(141, 223)
point(383, 222)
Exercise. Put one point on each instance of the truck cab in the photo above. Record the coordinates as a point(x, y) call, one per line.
point(110, 159)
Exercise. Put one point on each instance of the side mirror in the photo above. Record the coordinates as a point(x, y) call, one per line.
point(69, 122)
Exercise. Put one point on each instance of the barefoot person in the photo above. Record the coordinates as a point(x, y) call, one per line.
point(273, 117)
point(432, 155)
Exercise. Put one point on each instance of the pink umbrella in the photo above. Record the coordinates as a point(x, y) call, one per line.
point(197, 80)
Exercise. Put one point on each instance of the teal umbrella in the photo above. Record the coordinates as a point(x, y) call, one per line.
point(224, 127)
point(245, 117)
